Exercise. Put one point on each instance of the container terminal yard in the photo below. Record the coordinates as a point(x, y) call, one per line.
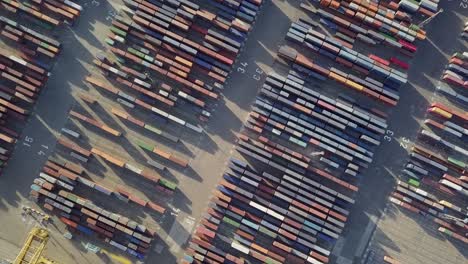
point(233, 131)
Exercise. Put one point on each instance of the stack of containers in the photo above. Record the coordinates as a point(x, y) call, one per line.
point(141, 103)
point(376, 17)
point(258, 148)
point(331, 48)
point(82, 215)
point(21, 80)
point(31, 42)
point(425, 7)
point(95, 123)
point(164, 38)
point(347, 133)
point(25, 64)
point(437, 139)
point(269, 217)
point(368, 86)
point(119, 162)
point(295, 209)
point(171, 157)
point(437, 185)
point(69, 174)
point(456, 72)
point(47, 13)
point(151, 128)
point(349, 31)
point(424, 203)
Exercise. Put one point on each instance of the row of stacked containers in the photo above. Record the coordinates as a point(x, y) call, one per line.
point(297, 209)
point(287, 196)
point(191, 47)
point(55, 187)
point(170, 59)
point(434, 181)
point(48, 14)
point(26, 56)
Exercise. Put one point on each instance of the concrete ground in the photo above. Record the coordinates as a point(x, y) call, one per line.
point(412, 239)
point(210, 151)
point(407, 237)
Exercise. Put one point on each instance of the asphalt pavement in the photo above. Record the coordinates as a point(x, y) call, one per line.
point(404, 123)
point(212, 149)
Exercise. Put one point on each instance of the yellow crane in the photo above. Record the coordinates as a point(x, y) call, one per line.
point(35, 243)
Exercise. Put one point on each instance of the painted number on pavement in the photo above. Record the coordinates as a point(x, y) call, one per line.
point(256, 76)
point(464, 4)
point(388, 135)
point(404, 143)
point(28, 141)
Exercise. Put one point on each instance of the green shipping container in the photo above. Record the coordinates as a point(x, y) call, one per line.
point(44, 45)
point(413, 182)
point(230, 221)
point(136, 52)
point(145, 146)
point(458, 55)
point(388, 37)
point(301, 143)
point(414, 27)
point(110, 41)
point(153, 129)
point(271, 261)
point(448, 232)
point(267, 232)
point(118, 31)
point(148, 58)
point(168, 184)
point(456, 162)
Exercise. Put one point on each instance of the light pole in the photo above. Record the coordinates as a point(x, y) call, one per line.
point(429, 19)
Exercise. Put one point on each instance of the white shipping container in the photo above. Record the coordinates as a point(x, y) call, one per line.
point(71, 132)
point(240, 247)
point(313, 261)
point(275, 214)
point(159, 112)
point(176, 119)
point(258, 206)
point(133, 168)
point(48, 178)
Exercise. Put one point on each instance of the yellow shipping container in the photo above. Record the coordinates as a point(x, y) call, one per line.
point(354, 85)
point(441, 112)
point(119, 113)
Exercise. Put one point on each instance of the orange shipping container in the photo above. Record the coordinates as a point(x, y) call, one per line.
point(337, 77)
point(180, 161)
point(115, 161)
point(111, 131)
point(156, 207)
point(119, 113)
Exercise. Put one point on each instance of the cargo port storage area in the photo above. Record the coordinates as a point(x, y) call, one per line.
point(233, 131)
